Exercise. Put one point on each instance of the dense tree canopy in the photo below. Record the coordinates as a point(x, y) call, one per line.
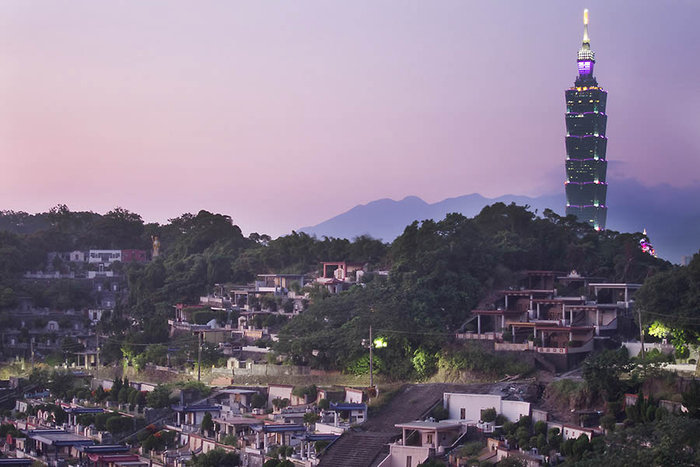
point(440, 270)
point(673, 440)
point(670, 301)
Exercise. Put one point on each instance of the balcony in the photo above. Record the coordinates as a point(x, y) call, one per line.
point(552, 350)
point(511, 347)
point(486, 336)
point(575, 347)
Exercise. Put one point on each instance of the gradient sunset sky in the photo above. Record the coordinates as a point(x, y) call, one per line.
point(283, 114)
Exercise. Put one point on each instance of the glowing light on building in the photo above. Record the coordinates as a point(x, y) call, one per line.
point(646, 245)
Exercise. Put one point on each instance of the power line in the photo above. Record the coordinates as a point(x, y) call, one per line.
point(425, 333)
point(675, 318)
point(123, 341)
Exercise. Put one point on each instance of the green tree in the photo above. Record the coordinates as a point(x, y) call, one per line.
point(62, 384)
point(215, 458)
point(432, 463)
point(280, 403)
point(118, 424)
point(230, 440)
point(672, 440)
point(608, 421)
point(207, 423)
point(540, 428)
point(691, 399)
point(602, 372)
point(311, 417)
point(489, 415)
point(581, 445)
point(511, 462)
point(258, 401)
point(159, 397)
point(117, 385)
point(669, 301)
point(123, 395)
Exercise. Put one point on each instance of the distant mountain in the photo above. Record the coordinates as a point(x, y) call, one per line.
point(386, 219)
point(671, 215)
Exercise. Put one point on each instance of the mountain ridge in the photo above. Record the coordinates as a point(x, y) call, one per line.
point(670, 214)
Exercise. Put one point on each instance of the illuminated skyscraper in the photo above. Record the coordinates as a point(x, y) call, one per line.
point(586, 165)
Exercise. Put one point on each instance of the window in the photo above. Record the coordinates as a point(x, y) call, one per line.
point(462, 413)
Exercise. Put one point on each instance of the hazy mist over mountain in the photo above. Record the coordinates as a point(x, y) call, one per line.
point(670, 215)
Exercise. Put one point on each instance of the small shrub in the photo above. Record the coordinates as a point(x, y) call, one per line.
point(489, 415)
point(501, 420)
point(608, 421)
point(230, 440)
point(258, 401)
point(440, 413)
point(471, 449)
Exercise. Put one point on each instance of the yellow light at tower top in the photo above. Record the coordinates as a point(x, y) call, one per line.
point(585, 16)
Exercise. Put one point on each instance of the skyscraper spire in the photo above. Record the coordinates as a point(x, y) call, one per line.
point(585, 53)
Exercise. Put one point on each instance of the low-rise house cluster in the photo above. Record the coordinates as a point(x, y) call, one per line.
point(36, 332)
point(421, 440)
point(235, 315)
point(558, 317)
point(256, 421)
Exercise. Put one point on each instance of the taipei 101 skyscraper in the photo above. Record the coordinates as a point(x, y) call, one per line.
point(586, 165)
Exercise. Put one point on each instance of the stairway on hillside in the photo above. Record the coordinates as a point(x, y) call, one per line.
point(413, 402)
point(357, 449)
point(369, 447)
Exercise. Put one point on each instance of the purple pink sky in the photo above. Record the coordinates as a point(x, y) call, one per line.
point(283, 114)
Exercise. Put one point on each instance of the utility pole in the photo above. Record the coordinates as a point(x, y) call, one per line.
point(199, 356)
point(97, 346)
point(371, 372)
point(641, 338)
point(31, 349)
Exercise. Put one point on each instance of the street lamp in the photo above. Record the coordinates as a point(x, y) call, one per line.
point(379, 343)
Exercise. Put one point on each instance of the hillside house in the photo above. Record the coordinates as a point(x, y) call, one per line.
point(279, 391)
point(234, 401)
point(354, 395)
point(51, 444)
point(285, 434)
point(104, 256)
point(279, 284)
point(242, 427)
point(561, 328)
point(421, 440)
point(468, 408)
point(189, 416)
point(340, 275)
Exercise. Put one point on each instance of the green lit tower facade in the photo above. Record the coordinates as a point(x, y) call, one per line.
point(586, 164)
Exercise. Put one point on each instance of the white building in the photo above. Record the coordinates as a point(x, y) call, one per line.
point(104, 256)
point(469, 406)
point(429, 439)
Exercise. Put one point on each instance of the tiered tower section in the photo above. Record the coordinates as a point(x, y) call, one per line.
point(586, 165)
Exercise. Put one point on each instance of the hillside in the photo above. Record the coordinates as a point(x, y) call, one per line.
point(670, 215)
